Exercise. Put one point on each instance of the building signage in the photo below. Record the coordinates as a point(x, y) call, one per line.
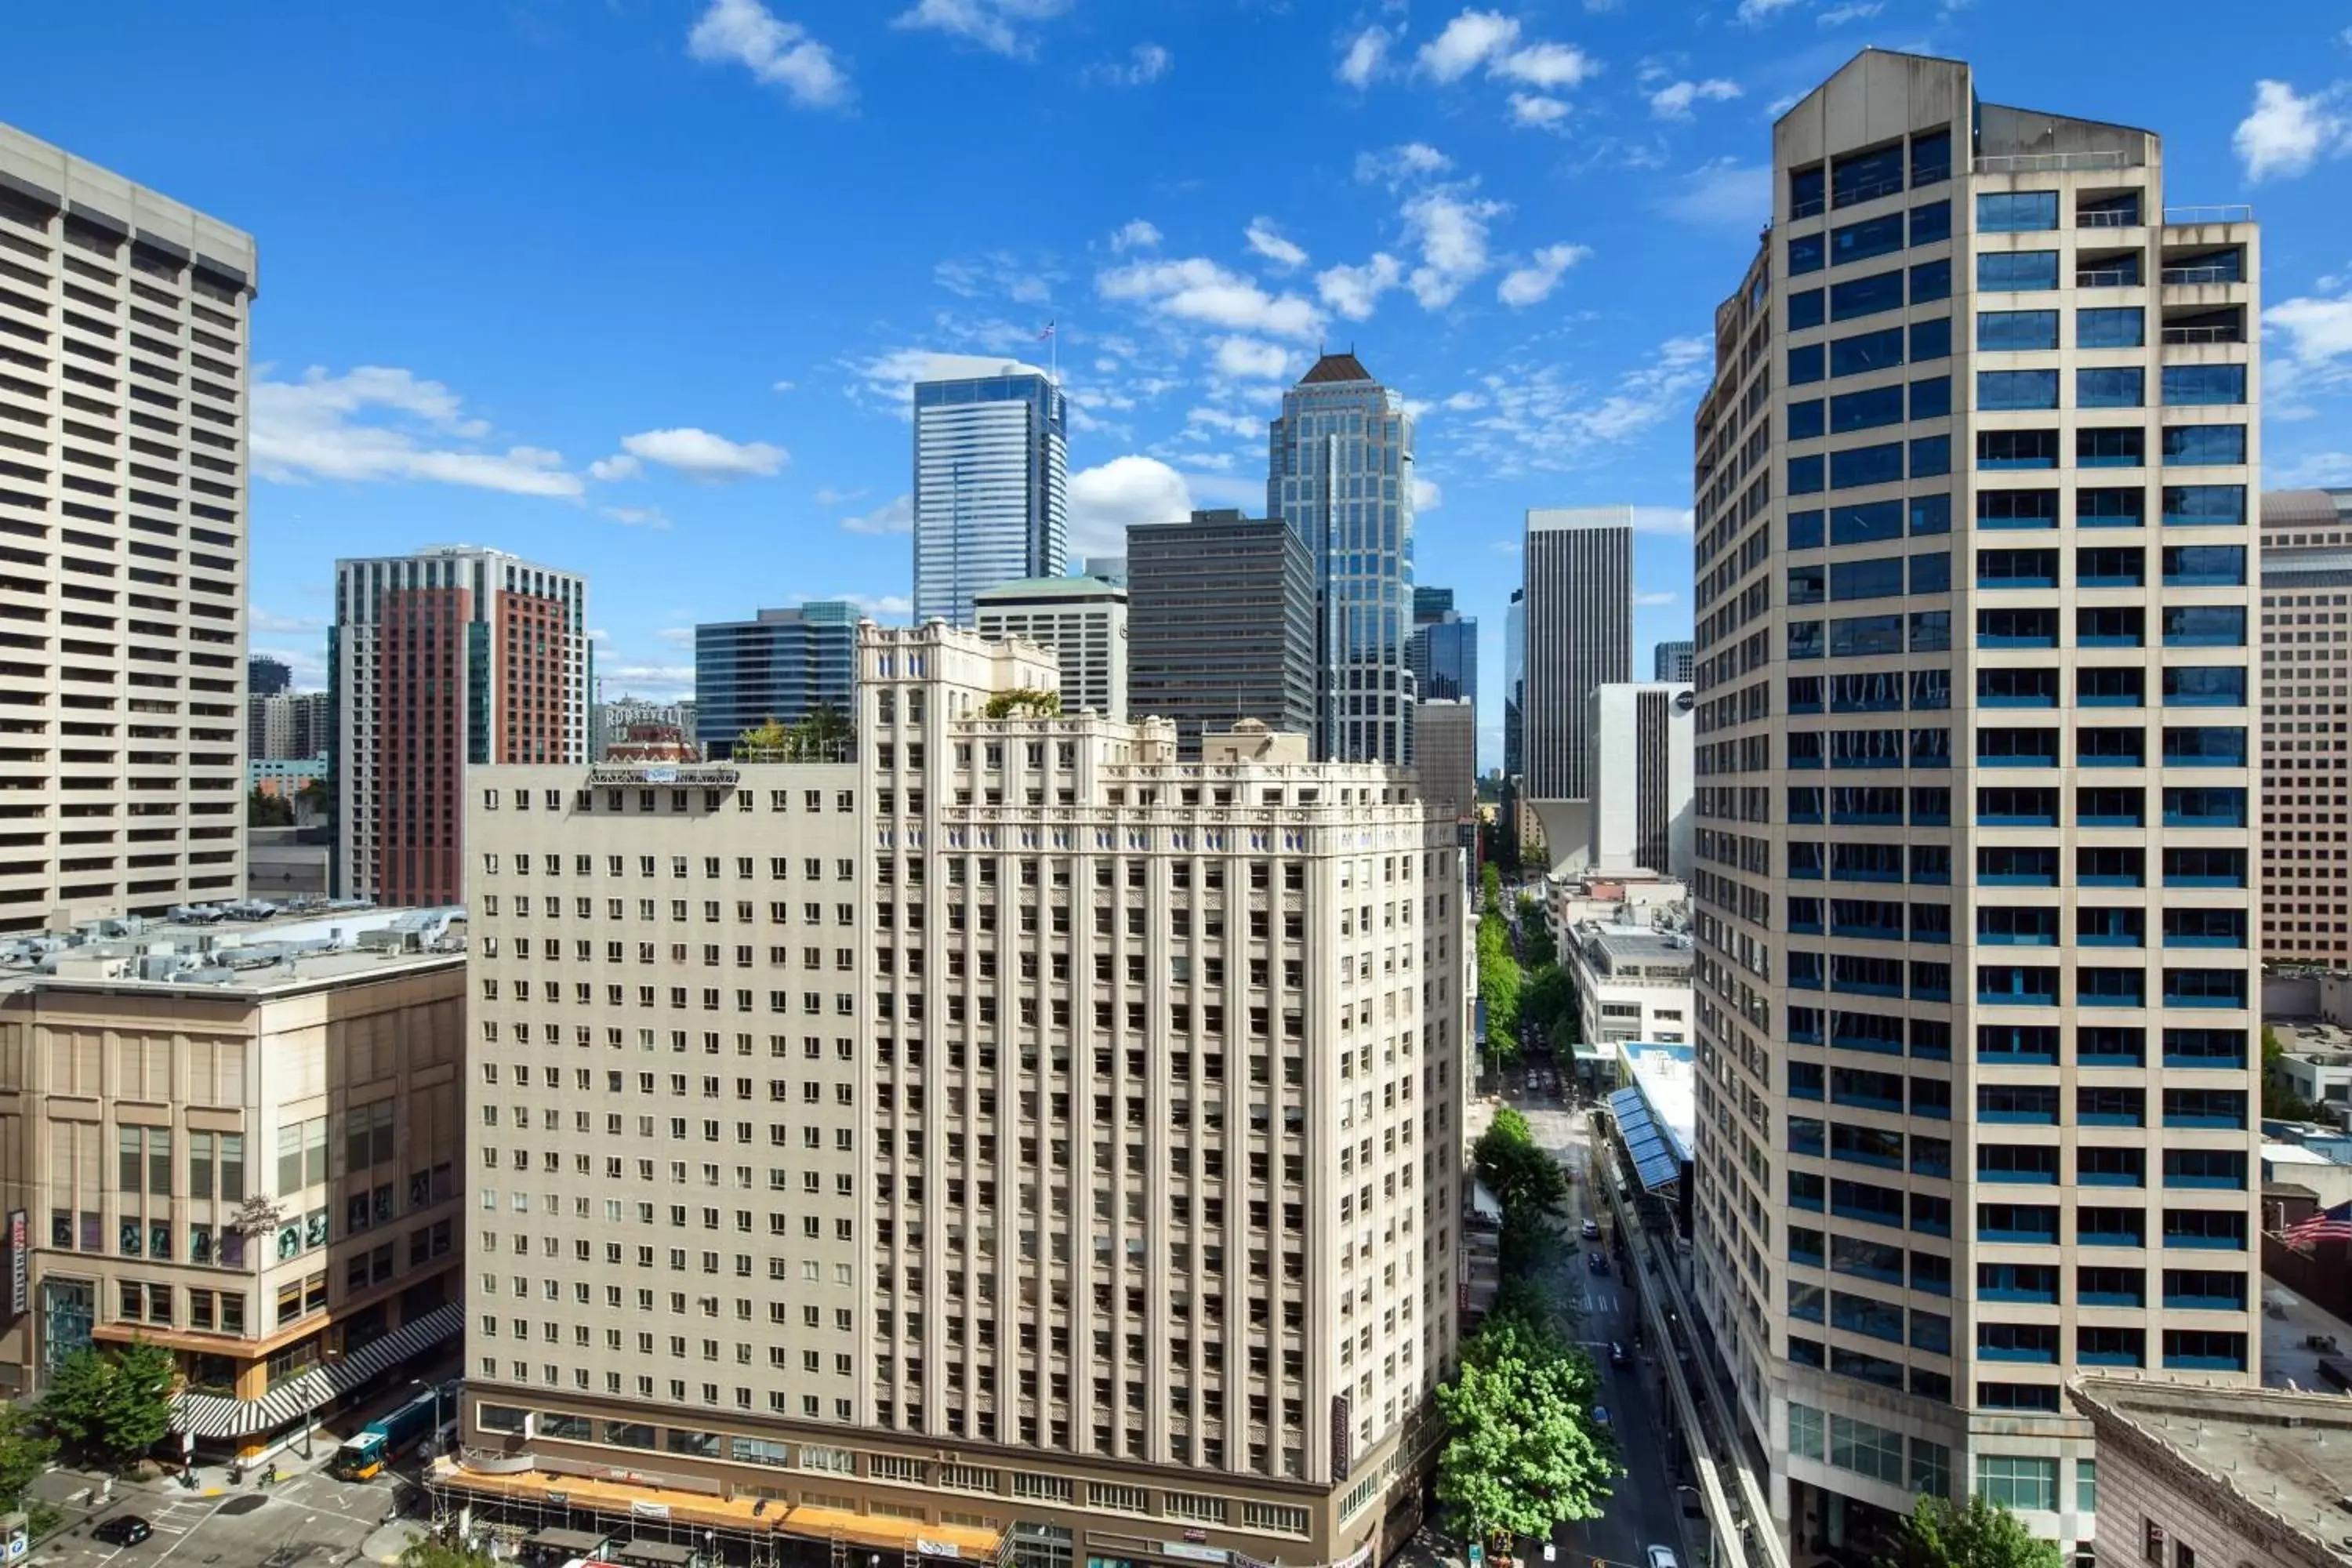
point(1196, 1553)
point(937, 1548)
point(707, 775)
point(20, 1264)
point(644, 1509)
point(1342, 1429)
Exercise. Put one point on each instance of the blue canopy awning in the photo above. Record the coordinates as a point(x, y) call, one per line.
point(1654, 1157)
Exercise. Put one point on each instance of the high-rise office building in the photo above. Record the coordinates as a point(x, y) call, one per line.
point(1515, 682)
point(1339, 472)
point(1443, 652)
point(1972, 487)
point(1671, 661)
point(1641, 736)
point(1220, 625)
point(1579, 563)
point(1446, 754)
point(778, 667)
point(1431, 605)
point(123, 343)
point(266, 676)
point(1082, 619)
point(287, 725)
point(1006, 1219)
point(2306, 678)
point(449, 658)
point(991, 481)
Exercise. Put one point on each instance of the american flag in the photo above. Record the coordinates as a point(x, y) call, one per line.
point(1047, 333)
point(2328, 1224)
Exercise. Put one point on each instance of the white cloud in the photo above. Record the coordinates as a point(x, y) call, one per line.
point(894, 516)
point(1135, 234)
point(1250, 357)
point(1024, 279)
point(887, 381)
point(2311, 355)
point(1533, 283)
point(1106, 500)
point(1755, 12)
point(990, 24)
point(1541, 418)
point(1655, 600)
point(1402, 165)
point(620, 466)
point(2311, 471)
point(265, 623)
point(2286, 134)
point(1426, 494)
point(1266, 240)
point(1724, 193)
point(1489, 38)
point(651, 517)
point(1366, 55)
point(1504, 546)
point(699, 454)
point(1355, 291)
point(1198, 289)
point(1451, 232)
point(1463, 403)
point(880, 606)
point(655, 682)
point(1673, 521)
point(776, 52)
point(379, 423)
point(1227, 422)
point(1855, 10)
point(2315, 329)
point(828, 496)
point(781, 385)
point(1673, 101)
point(1535, 109)
point(1145, 64)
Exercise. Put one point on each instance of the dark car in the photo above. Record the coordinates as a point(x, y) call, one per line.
point(1617, 1356)
point(124, 1530)
point(1600, 1263)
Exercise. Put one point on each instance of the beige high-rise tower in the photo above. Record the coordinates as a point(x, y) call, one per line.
point(122, 497)
point(1014, 1141)
point(1976, 895)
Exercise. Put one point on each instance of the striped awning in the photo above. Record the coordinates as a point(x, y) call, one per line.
point(219, 1416)
point(1654, 1157)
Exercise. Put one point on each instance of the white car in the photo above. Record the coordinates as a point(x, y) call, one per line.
point(1662, 1557)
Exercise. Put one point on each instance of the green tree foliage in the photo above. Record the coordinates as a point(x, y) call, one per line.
point(1975, 1534)
point(1499, 980)
point(1524, 1179)
point(822, 737)
point(23, 1454)
point(1536, 949)
point(1522, 1451)
point(1490, 890)
point(115, 1407)
point(2279, 1100)
point(265, 810)
point(1023, 702)
point(1549, 1002)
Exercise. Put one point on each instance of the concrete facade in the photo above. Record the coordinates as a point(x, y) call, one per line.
point(1445, 737)
point(1941, 816)
point(1579, 563)
point(1018, 1132)
point(1082, 619)
point(1642, 814)
point(251, 1158)
point(125, 671)
point(2307, 575)
point(1220, 625)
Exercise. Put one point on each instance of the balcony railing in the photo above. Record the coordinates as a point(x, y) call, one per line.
point(2230, 334)
point(2234, 212)
point(2109, 217)
point(2202, 274)
point(2050, 162)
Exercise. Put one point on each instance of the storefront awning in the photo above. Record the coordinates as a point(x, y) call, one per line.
point(1654, 1157)
point(219, 1416)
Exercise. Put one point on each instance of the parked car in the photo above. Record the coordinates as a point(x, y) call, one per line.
point(123, 1530)
point(1600, 1263)
point(1590, 1230)
point(1600, 1415)
point(1662, 1557)
point(1617, 1356)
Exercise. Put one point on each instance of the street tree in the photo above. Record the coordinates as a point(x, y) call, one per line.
point(426, 1553)
point(1974, 1534)
point(112, 1408)
point(24, 1455)
point(1525, 1180)
point(1522, 1452)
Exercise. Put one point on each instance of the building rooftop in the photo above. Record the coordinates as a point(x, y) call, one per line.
point(1052, 588)
point(2280, 1456)
point(1638, 952)
point(249, 949)
point(1663, 1083)
point(1335, 367)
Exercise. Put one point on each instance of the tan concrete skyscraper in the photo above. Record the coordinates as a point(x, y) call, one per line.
point(1014, 1139)
point(123, 492)
point(1976, 886)
point(2306, 569)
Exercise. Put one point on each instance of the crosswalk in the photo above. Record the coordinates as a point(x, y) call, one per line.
point(1594, 1302)
point(181, 1516)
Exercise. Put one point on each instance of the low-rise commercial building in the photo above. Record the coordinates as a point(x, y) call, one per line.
point(243, 1142)
point(1631, 983)
point(1082, 619)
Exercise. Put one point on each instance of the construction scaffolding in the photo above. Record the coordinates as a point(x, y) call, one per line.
point(542, 1515)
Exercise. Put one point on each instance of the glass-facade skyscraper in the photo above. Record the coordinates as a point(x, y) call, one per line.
point(1443, 648)
point(778, 667)
point(991, 483)
point(1977, 1007)
point(1339, 472)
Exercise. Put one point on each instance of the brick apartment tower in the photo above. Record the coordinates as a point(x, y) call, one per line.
point(451, 656)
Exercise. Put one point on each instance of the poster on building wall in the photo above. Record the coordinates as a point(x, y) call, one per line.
point(19, 1264)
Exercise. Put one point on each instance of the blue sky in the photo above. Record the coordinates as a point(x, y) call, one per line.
point(637, 286)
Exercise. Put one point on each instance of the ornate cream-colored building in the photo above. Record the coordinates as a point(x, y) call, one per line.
point(1015, 1139)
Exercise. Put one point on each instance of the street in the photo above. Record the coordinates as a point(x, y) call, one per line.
point(1646, 1508)
point(308, 1519)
